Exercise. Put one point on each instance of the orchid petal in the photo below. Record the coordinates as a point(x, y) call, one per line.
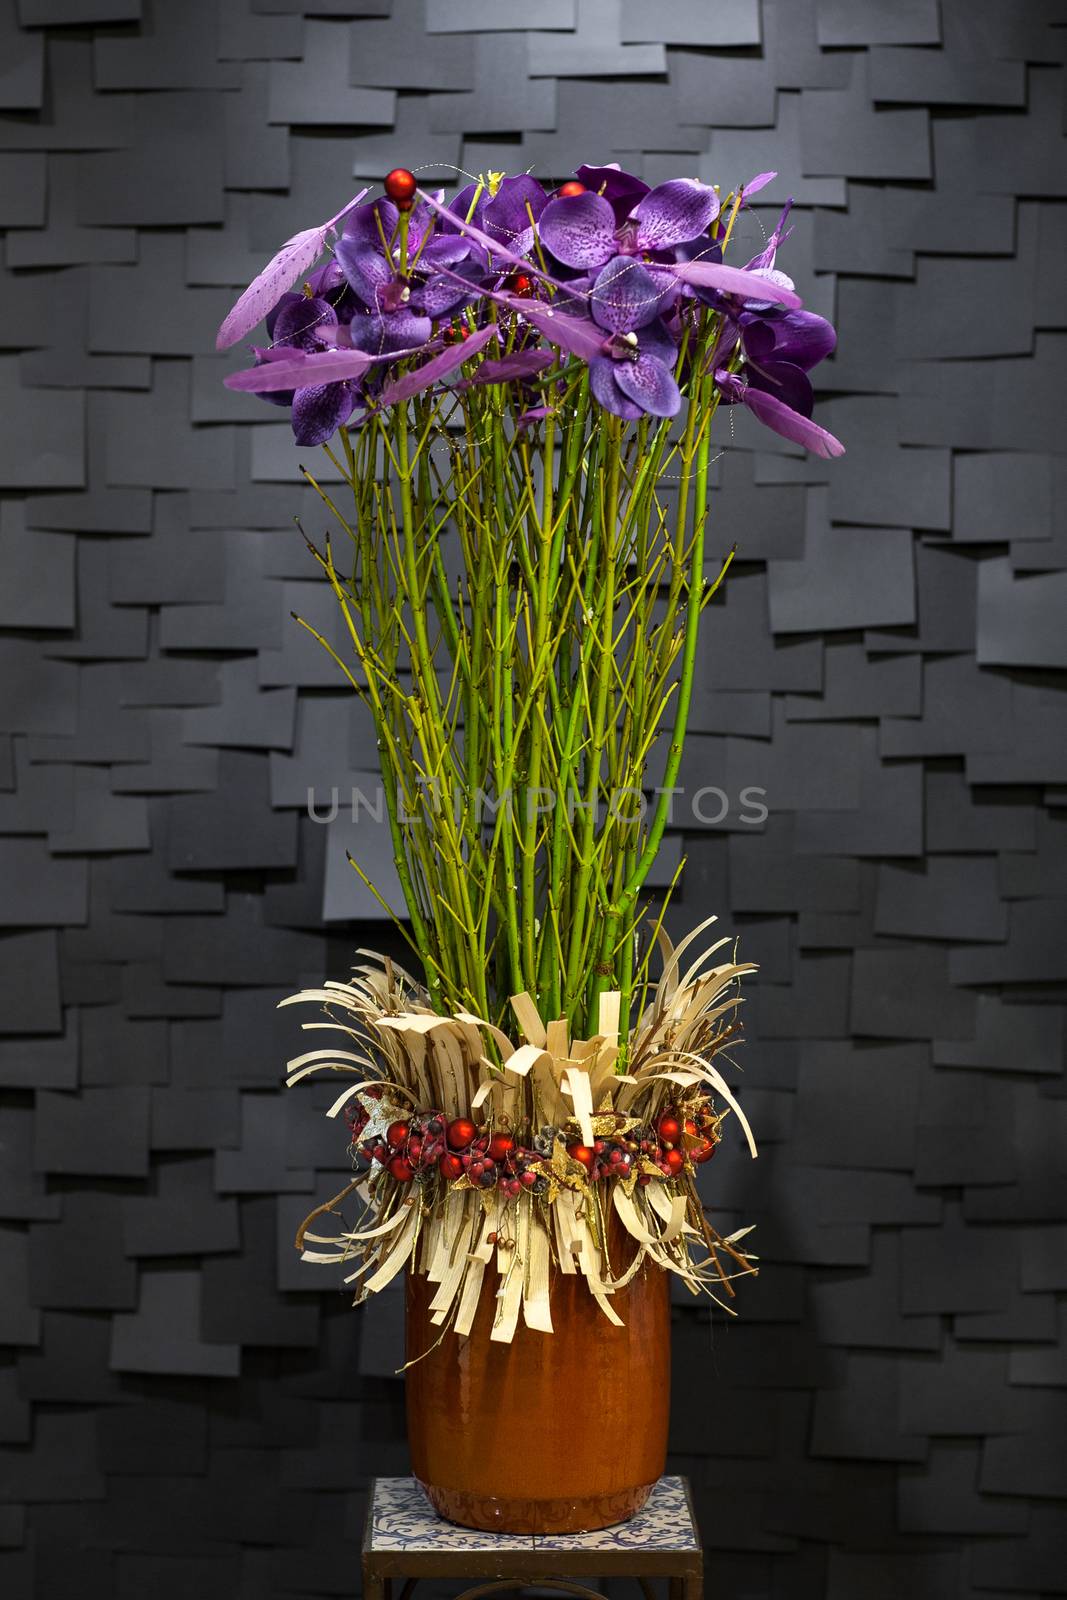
point(736, 281)
point(673, 212)
point(785, 382)
point(654, 340)
point(791, 425)
point(607, 393)
point(291, 370)
point(624, 296)
point(398, 333)
point(621, 189)
point(319, 411)
point(804, 338)
point(402, 388)
point(365, 268)
point(281, 272)
point(300, 321)
point(579, 230)
point(648, 384)
point(506, 215)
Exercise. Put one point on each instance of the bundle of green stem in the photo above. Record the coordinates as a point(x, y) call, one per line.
point(522, 597)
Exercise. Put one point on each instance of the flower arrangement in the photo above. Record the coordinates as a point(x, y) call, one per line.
point(516, 392)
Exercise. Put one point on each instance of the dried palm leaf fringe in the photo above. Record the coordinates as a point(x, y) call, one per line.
point(406, 1058)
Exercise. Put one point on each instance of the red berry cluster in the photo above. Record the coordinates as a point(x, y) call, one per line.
point(488, 1159)
point(456, 1149)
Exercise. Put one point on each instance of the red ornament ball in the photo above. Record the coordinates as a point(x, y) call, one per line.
point(396, 1133)
point(401, 1169)
point(571, 187)
point(675, 1162)
point(669, 1128)
point(582, 1153)
point(461, 1133)
point(500, 1146)
point(702, 1152)
point(451, 1167)
point(400, 186)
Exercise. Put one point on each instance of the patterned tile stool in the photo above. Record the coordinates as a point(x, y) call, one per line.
point(405, 1540)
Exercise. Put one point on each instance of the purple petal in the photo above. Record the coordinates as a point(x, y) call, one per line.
point(802, 337)
point(605, 390)
point(440, 294)
point(319, 412)
point(735, 280)
point(786, 383)
point(577, 335)
point(522, 364)
point(624, 296)
point(579, 230)
point(791, 425)
point(621, 189)
point(366, 270)
point(454, 355)
point(767, 254)
point(288, 369)
point(675, 211)
point(300, 320)
point(656, 341)
point(506, 216)
point(647, 382)
point(400, 333)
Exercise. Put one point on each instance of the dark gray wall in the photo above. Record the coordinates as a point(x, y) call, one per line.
point(183, 1407)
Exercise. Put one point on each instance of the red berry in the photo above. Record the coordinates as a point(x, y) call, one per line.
point(500, 1146)
point(582, 1153)
point(513, 1186)
point(396, 1133)
point(475, 1170)
point(451, 1167)
point(461, 1133)
point(571, 187)
point(400, 186)
point(674, 1161)
point(529, 1178)
point(521, 283)
point(668, 1128)
point(401, 1169)
point(414, 1149)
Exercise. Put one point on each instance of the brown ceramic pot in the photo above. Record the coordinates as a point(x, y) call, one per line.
point(558, 1432)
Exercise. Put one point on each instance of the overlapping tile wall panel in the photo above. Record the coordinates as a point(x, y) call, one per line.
point(185, 1407)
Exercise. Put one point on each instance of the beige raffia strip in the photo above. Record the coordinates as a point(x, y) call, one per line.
point(400, 1056)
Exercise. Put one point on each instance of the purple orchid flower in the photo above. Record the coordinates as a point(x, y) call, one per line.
point(375, 277)
point(629, 352)
point(582, 231)
point(505, 215)
point(299, 326)
point(779, 350)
